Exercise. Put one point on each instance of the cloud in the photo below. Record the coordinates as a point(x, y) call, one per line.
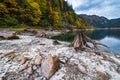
point(107, 8)
point(76, 3)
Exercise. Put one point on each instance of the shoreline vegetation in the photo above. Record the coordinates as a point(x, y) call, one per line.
point(22, 27)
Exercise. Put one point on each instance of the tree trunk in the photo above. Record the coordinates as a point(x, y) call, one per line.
point(80, 41)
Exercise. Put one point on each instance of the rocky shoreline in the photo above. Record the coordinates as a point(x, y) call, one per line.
point(81, 65)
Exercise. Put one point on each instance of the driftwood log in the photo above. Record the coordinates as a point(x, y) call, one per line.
point(81, 40)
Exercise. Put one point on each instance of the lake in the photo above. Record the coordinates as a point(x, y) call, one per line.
point(110, 37)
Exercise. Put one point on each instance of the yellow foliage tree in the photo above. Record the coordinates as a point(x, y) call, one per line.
point(11, 6)
point(78, 22)
point(3, 9)
point(32, 11)
point(42, 5)
point(56, 18)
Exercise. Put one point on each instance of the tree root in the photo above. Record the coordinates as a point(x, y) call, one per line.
point(81, 40)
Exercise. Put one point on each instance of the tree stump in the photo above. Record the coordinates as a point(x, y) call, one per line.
point(81, 40)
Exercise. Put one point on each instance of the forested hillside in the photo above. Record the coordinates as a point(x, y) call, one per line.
point(44, 13)
point(115, 23)
point(101, 21)
point(97, 21)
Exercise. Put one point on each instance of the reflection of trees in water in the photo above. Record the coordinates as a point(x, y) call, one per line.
point(96, 34)
point(100, 34)
point(115, 33)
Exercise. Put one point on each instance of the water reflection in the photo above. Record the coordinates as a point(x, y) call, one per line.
point(108, 37)
point(113, 43)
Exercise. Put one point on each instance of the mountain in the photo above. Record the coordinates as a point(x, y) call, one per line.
point(115, 22)
point(95, 20)
point(100, 21)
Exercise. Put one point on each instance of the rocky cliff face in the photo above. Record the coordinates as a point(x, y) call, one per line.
point(81, 65)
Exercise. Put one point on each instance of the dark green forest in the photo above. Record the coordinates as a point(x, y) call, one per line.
point(43, 13)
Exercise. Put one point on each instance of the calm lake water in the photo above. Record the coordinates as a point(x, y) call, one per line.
point(108, 37)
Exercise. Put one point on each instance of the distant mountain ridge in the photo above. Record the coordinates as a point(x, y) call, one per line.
point(100, 21)
point(115, 22)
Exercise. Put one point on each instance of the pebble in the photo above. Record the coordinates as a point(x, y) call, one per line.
point(30, 70)
point(118, 69)
point(24, 66)
point(34, 67)
point(38, 60)
point(82, 68)
point(40, 78)
point(64, 59)
point(23, 60)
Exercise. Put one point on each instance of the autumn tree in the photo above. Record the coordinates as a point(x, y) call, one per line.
point(8, 9)
point(30, 13)
point(3, 9)
point(12, 7)
point(42, 5)
point(38, 13)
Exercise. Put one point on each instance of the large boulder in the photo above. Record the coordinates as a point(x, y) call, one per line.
point(6, 34)
point(50, 65)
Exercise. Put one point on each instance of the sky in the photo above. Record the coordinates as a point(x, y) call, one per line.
point(106, 8)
